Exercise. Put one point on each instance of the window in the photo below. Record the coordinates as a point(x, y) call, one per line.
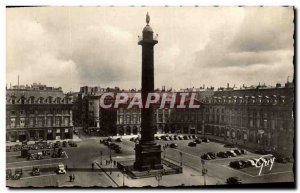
point(12, 122)
point(31, 122)
point(13, 113)
point(22, 122)
point(22, 113)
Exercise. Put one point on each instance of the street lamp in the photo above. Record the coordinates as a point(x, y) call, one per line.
point(100, 157)
point(124, 170)
point(180, 153)
point(204, 171)
point(158, 177)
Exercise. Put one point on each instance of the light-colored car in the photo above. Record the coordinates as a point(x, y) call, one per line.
point(61, 169)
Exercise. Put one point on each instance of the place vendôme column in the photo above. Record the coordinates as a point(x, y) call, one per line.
point(147, 152)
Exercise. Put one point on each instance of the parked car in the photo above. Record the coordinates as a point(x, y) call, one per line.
point(194, 137)
point(18, 174)
point(229, 145)
point(222, 154)
point(192, 144)
point(175, 137)
point(173, 145)
point(233, 180)
point(119, 139)
point(206, 157)
point(251, 162)
point(206, 140)
point(231, 153)
point(237, 152)
point(212, 155)
point(35, 171)
point(236, 164)
point(180, 137)
point(8, 174)
point(243, 151)
point(61, 168)
point(118, 150)
point(157, 138)
point(198, 141)
point(185, 137)
point(46, 152)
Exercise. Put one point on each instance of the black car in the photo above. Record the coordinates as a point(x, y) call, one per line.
point(231, 154)
point(194, 136)
point(36, 171)
point(236, 164)
point(222, 154)
point(243, 151)
point(198, 141)
point(185, 137)
point(173, 145)
point(8, 174)
point(234, 180)
point(180, 138)
point(229, 145)
point(175, 137)
point(118, 150)
point(206, 157)
point(157, 138)
point(206, 140)
point(212, 155)
point(118, 139)
point(237, 151)
point(192, 144)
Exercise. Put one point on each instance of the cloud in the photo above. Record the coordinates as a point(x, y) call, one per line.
point(77, 46)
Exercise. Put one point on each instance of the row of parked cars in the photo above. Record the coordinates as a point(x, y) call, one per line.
point(35, 172)
point(41, 145)
point(109, 143)
point(175, 137)
point(223, 154)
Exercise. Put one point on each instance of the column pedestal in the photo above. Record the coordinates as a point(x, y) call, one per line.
point(148, 156)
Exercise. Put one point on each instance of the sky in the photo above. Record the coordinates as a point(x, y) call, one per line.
point(97, 46)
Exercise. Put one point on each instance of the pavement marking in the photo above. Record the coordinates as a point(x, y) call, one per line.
point(13, 155)
point(225, 166)
point(38, 176)
point(230, 158)
point(187, 153)
point(40, 160)
point(274, 173)
point(33, 166)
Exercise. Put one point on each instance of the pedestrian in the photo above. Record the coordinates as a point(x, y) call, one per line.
point(66, 167)
point(93, 165)
point(73, 177)
point(70, 177)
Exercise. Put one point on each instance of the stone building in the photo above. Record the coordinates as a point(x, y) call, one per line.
point(261, 117)
point(38, 112)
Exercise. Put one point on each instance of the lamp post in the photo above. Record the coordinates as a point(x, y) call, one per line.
point(164, 147)
point(124, 170)
point(158, 177)
point(100, 157)
point(180, 153)
point(204, 171)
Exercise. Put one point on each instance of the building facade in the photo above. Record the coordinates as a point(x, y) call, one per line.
point(38, 112)
point(261, 117)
